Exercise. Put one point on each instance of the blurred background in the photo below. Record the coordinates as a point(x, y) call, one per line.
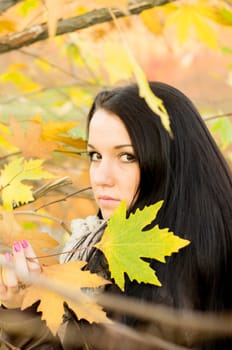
point(185, 43)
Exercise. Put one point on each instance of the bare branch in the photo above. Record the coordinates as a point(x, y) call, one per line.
point(64, 198)
point(40, 32)
point(225, 115)
point(6, 4)
point(49, 217)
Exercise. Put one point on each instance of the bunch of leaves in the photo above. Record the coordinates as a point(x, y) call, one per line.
point(123, 243)
point(198, 18)
point(20, 180)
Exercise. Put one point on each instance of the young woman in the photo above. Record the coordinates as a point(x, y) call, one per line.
point(133, 158)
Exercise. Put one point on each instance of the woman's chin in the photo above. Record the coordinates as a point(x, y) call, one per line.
point(107, 212)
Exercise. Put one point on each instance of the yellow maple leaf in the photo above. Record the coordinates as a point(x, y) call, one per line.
point(70, 277)
point(19, 78)
point(118, 66)
point(153, 101)
point(4, 143)
point(13, 190)
point(152, 21)
point(155, 18)
point(124, 244)
point(193, 17)
point(205, 32)
point(31, 143)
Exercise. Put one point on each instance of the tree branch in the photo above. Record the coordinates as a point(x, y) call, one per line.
point(6, 4)
point(40, 31)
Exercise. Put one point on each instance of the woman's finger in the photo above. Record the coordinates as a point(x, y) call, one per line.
point(11, 292)
point(11, 280)
point(32, 262)
point(20, 262)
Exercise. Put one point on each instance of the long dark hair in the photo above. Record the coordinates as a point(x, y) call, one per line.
point(190, 174)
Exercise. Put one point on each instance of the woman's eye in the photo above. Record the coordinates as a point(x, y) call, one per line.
point(94, 156)
point(127, 157)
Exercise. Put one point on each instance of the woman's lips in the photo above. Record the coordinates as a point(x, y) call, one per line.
point(106, 201)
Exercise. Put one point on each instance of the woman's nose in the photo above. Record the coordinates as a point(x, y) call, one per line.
point(102, 174)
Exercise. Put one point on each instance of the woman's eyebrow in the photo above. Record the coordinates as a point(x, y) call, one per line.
point(121, 146)
point(116, 147)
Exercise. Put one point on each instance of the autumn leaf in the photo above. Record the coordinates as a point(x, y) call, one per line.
point(4, 143)
point(71, 277)
point(11, 231)
point(152, 21)
point(6, 25)
point(153, 101)
point(19, 78)
point(119, 67)
point(124, 244)
point(59, 132)
point(30, 142)
point(155, 18)
point(26, 6)
point(18, 170)
point(188, 17)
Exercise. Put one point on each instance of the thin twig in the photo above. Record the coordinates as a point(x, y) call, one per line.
point(225, 115)
point(63, 199)
point(9, 155)
point(9, 345)
point(51, 64)
point(45, 216)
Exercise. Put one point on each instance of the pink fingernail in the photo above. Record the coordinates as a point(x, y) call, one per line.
point(24, 243)
point(8, 257)
point(17, 247)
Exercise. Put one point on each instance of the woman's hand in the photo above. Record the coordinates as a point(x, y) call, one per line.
point(21, 264)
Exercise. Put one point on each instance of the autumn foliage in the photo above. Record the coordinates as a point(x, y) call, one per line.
point(43, 170)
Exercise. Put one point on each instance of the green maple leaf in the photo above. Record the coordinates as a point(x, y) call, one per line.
point(18, 170)
point(124, 244)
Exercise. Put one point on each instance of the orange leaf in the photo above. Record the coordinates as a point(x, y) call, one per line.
point(9, 228)
point(71, 277)
point(11, 231)
point(30, 142)
point(58, 131)
point(6, 25)
point(43, 244)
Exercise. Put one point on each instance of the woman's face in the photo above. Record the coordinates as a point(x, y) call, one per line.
point(114, 170)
